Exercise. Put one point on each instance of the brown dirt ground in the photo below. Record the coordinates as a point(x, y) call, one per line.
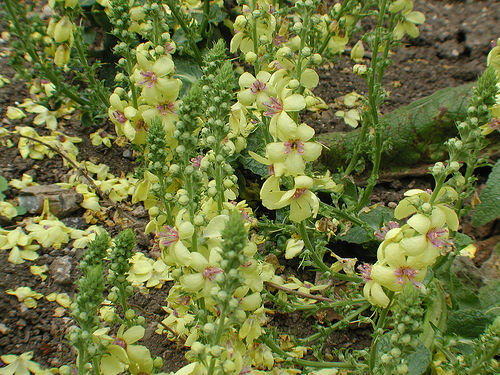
point(451, 50)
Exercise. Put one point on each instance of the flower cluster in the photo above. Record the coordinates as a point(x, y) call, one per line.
point(407, 251)
point(158, 92)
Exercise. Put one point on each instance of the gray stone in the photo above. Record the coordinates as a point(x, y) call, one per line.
point(62, 202)
point(61, 270)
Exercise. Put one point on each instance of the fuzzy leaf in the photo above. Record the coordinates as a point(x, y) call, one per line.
point(489, 209)
point(419, 360)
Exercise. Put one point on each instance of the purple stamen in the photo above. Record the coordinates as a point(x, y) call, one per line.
point(149, 79)
point(299, 192)
point(366, 271)
point(380, 234)
point(166, 108)
point(210, 272)
point(169, 237)
point(119, 116)
point(274, 106)
point(257, 86)
point(434, 237)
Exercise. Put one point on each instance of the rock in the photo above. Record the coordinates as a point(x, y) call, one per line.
point(62, 202)
point(127, 154)
point(61, 270)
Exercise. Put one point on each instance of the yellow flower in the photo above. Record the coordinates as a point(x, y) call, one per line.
point(303, 203)
point(410, 19)
point(254, 89)
point(289, 156)
point(25, 295)
point(122, 354)
point(100, 137)
point(19, 365)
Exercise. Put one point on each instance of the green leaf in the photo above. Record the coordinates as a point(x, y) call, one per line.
point(255, 143)
point(419, 360)
point(489, 295)
point(489, 208)
point(356, 235)
point(462, 240)
point(87, 3)
point(376, 217)
point(4, 184)
point(21, 210)
point(188, 71)
point(468, 323)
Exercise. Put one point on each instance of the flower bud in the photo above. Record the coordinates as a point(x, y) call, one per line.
point(359, 69)
point(358, 51)
point(306, 51)
point(197, 347)
point(293, 84)
point(183, 200)
point(438, 168)
point(454, 165)
point(158, 362)
point(250, 57)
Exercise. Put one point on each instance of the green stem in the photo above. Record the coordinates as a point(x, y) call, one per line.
point(325, 305)
point(89, 73)
point(373, 93)
point(373, 102)
point(377, 333)
point(471, 166)
point(335, 326)
point(318, 261)
point(187, 32)
point(130, 68)
point(485, 358)
point(437, 188)
point(218, 336)
point(302, 362)
point(30, 49)
point(204, 23)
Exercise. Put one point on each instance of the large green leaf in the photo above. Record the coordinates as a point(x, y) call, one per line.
point(419, 360)
point(489, 208)
point(188, 71)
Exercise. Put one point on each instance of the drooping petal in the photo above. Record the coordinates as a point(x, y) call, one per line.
point(133, 334)
point(294, 102)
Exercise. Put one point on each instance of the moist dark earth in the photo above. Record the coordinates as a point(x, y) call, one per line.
point(451, 50)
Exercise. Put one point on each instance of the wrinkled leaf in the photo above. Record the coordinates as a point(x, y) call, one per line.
point(188, 71)
point(356, 235)
point(468, 323)
point(489, 208)
point(419, 360)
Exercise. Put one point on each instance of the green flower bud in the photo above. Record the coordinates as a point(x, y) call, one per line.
point(129, 314)
point(306, 51)
point(250, 57)
point(454, 165)
point(212, 191)
point(216, 350)
point(209, 328)
point(158, 362)
point(402, 369)
point(317, 59)
point(154, 211)
point(293, 84)
point(396, 352)
point(197, 347)
point(184, 200)
point(386, 358)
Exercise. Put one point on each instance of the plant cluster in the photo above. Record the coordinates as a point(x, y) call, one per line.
point(228, 172)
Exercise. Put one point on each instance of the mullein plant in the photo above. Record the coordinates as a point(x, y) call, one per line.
point(99, 350)
point(215, 304)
